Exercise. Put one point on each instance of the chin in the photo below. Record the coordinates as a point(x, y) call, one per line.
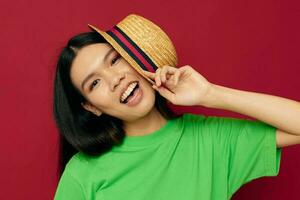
point(147, 105)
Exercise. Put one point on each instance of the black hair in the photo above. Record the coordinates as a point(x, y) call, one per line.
point(80, 130)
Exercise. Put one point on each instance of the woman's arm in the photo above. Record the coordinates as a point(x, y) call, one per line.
point(282, 113)
point(185, 86)
point(279, 112)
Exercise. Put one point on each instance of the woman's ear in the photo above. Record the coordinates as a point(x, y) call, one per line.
point(87, 106)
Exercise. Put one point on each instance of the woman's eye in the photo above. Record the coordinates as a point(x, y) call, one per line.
point(94, 83)
point(113, 61)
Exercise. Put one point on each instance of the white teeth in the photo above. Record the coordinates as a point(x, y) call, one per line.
point(128, 91)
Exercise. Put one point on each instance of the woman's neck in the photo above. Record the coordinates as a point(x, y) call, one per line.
point(149, 123)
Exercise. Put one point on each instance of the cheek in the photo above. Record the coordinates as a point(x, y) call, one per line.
point(101, 98)
point(149, 92)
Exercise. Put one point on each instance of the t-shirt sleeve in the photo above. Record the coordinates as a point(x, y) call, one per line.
point(69, 188)
point(247, 148)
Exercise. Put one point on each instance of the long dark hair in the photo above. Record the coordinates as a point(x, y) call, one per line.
point(79, 129)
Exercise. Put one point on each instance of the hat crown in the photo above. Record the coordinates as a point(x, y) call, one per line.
point(150, 38)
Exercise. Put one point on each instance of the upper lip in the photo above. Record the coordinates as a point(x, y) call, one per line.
point(125, 88)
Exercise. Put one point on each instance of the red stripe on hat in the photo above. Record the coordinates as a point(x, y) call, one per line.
point(133, 50)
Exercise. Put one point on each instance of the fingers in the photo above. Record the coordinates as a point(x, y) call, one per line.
point(158, 77)
point(149, 74)
point(177, 74)
point(166, 70)
point(167, 94)
point(161, 75)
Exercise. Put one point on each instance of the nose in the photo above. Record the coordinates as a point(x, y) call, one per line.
point(115, 79)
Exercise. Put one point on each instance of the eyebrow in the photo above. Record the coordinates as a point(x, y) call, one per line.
point(93, 73)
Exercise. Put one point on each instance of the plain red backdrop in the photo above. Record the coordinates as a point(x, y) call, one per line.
point(249, 45)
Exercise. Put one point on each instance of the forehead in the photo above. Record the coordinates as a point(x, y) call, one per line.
point(87, 59)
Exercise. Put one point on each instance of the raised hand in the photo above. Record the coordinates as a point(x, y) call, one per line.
point(181, 86)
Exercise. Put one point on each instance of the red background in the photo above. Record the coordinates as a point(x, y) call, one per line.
point(249, 45)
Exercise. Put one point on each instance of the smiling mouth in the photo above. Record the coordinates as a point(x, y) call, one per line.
point(129, 95)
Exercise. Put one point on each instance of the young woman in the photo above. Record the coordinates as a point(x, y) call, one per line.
point(121, 141)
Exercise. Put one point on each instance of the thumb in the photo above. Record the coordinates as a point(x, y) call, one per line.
point(164, 92)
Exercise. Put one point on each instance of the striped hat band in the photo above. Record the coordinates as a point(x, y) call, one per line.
point(132, 49)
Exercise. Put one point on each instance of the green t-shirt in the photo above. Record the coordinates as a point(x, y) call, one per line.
point(191, 157)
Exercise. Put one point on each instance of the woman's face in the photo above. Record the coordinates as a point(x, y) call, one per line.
point(111, 76)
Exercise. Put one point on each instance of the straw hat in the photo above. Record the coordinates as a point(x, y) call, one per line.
point(143, 44)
